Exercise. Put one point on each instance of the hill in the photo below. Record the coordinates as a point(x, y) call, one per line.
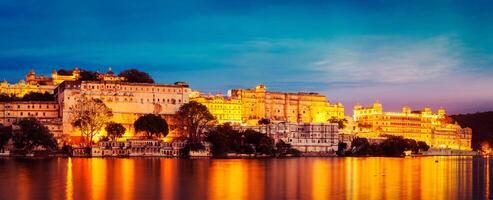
point(481, 125)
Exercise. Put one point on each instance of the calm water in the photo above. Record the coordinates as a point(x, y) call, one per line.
point(294, 178)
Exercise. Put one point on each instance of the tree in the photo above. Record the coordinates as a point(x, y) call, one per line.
point(5, 97)
point(360, 146)
point(411, 145)
point(262, 143)
point(90, 116)
point(423, 146)
point(263, 121)
point(136, 76)
point(64, 72)
point(219, 142)
point(152, 125)
point(194, 116)
point(30, 133)
point(115, 130)
point(5, 135)
point(394, 146)
point(340, 122)
point(86, 75)
point(37, 96)
point(341, 148)
point(282, 148)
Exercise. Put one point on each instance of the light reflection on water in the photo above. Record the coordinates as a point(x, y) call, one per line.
point(294, 178)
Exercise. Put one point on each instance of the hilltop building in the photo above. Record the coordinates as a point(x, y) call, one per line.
point(436, 129)
point(258, 103)
point(42, 83)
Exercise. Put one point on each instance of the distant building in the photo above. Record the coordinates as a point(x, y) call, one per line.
point(39, 84)
point(224, 109)
point(436, 129)
point(258, 103)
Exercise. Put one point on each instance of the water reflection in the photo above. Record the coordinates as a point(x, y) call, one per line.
point(297, 178)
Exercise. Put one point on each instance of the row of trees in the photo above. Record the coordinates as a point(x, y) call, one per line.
point(31, 96)
point(225, 139)
point(131, 75)
point(27, 134)
point(392, 146)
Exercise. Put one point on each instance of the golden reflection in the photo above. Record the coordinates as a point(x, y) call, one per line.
point(69, 188)
point(128, 173)
point(168, 177)
point(296, 178)
point(228, 181)
point(98, 178)
point(320, 184)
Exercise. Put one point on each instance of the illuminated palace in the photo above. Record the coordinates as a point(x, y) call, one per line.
point(436, 129)
point(128, 101)
point(224, 109)
point(34, 83)
point(258, 103)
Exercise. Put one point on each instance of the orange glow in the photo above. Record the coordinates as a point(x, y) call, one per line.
point(98, 178)
point(486, 148)
point(127, 174)
point(228, 181)
point(69, 190)
point(320, 184)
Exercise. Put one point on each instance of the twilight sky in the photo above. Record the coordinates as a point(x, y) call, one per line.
point(417, 53)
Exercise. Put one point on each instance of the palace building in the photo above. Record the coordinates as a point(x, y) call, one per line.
point(47, 112)
point(258, 103)
point(224, 109)
point(42, 84)
point(436, 129)
point(39, 84)
point(128, 101)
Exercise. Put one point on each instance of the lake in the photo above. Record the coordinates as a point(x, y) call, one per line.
point(290, 178)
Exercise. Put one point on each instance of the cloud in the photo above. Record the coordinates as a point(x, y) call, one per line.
point(387, 60)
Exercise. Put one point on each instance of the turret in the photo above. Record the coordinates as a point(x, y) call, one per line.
point(357, 106)
point(406, 109)
point(76, 73)
point(260, 88)
point(31, 76)
point(441, 112)
point(377, 106)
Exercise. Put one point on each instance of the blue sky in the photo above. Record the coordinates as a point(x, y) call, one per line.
point(437, 53)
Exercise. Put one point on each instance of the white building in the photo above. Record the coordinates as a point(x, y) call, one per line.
point(306, 137)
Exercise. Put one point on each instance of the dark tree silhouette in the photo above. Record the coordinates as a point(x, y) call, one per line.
point(115, 130)
point(36, 96)
point(31, 133)
point(194, 116)
point(152, 125)
point(5, 135)
point(136, 76)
